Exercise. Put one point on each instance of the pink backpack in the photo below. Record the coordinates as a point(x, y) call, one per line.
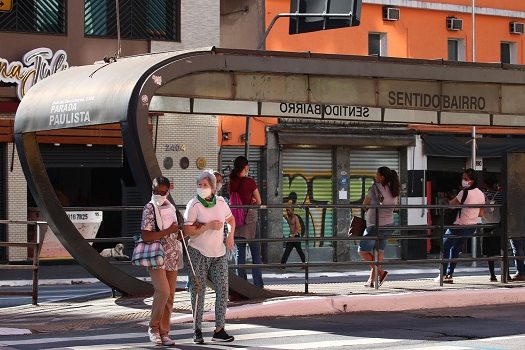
point(238, 213)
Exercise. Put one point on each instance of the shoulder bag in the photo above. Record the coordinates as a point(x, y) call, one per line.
point(149, 254)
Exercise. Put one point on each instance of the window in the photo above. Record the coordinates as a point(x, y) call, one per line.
point(377, 44)
point(153, 19)
point(508, 52)
point(35, 16)
point(456, 50)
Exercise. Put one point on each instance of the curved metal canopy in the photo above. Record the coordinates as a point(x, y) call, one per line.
point(238, 82)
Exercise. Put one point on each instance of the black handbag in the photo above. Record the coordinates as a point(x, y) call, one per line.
point(357, 226)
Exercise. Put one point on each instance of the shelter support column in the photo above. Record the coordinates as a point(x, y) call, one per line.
point(342, 216)
point(274, 196)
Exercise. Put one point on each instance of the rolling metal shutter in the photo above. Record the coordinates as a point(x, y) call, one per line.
point(228, 155)
point(307, 172)
point(82, 156)
point(363, 168)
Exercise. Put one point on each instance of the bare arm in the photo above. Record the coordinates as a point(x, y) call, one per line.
point(198, 228)
point(230, 238)
point(367, 201)
point(256, 197)
point(454, 201)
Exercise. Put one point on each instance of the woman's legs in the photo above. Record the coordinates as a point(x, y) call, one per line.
point(201, 265)
point(241, 257)
point(159, 279)
point(255, 250)
point(168, 309)
point(218, 276)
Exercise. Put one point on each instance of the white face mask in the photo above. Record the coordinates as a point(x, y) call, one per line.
point(465, 183)
point(219, 186)
point(158, 199)
point(204, 192)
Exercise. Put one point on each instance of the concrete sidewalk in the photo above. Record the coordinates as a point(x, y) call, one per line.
point(324, 298)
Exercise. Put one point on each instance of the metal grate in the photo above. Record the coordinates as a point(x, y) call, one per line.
point(153, 19)
point(35, 16)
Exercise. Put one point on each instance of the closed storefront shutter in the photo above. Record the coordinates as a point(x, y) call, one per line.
point(307, 178)
point(363, 168)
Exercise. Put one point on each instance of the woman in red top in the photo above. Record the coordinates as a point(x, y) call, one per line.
point(249, 194)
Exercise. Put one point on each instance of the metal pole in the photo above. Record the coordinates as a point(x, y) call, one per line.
point(473, 30)
point(36, 250)
point(307, 231)
point(262, 43)
point(474, 239)
point(247, 139)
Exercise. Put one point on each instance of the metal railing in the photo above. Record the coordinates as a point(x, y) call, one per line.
point(440, 227)
point(36, 247)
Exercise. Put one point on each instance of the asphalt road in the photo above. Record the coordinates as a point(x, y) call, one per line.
point(494, 328)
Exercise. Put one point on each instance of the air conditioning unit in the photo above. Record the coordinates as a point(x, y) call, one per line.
point(516, 28)
point(391, 13)
point(454, 23)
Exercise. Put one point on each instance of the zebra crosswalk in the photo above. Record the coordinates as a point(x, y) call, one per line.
point(247, 337)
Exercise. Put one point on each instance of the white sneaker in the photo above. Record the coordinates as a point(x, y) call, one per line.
point(154, 337)
point(167, 341)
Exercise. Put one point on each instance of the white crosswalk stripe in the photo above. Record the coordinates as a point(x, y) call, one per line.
point(247, 337)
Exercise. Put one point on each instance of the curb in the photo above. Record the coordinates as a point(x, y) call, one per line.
point(306, 306)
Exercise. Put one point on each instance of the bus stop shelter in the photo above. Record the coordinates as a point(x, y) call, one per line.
point(247, 83)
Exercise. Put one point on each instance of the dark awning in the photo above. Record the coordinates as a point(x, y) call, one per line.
point(458, 146)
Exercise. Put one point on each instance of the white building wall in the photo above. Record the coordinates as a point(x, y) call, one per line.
point(16, 188)
point(198, 135)
point(200, 26)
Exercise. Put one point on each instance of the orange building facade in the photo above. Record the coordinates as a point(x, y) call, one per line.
point(310, 171)
point(420, 32)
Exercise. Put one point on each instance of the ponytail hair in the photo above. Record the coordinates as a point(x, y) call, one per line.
point(391, 180)
point(238, 165)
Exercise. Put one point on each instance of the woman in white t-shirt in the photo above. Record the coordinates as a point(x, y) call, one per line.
point(159, 222)
point(384, 191)
point(204, 223)
point(470, 194)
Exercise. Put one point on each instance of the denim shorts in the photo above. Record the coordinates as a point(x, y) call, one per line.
point(368, 246)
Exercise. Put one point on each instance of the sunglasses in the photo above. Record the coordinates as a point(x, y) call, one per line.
point(161, 193)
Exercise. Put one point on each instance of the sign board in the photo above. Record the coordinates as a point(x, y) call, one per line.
point(87, 223)
point(36, 65)
point(312, 24)
point(6, 5)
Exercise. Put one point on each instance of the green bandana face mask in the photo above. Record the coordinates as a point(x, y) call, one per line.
point(207, 204)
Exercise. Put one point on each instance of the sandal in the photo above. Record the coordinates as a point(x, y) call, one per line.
point(369, 284)
point(382, 278)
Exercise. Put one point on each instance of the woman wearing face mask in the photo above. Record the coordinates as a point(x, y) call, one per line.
point(384, 191)
point(470, 194)
point(204, 220)
point(159, 222)
point(246, 187)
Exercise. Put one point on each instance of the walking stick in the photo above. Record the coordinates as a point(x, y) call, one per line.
point(197, 282)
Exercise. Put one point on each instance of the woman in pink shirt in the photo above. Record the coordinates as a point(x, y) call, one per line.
point(384, 191)
point(470, 194)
